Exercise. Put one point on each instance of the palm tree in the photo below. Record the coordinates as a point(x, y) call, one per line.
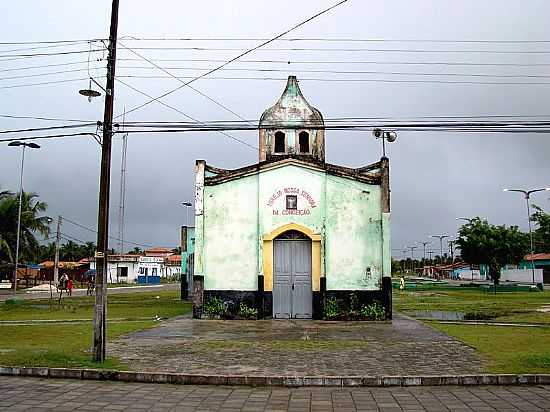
point(31, 225)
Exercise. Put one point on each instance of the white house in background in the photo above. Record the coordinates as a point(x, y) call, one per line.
point(121, 268)
point(173, 267)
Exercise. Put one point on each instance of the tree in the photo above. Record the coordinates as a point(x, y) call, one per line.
point(541, 236)
point(135, 251)
point(495, 246)
point(32, 224)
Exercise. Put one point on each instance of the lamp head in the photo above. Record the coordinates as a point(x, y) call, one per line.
point(14, 144)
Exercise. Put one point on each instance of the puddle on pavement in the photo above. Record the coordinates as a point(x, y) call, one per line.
point(438, 315)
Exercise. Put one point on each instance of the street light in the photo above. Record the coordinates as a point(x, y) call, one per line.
point(187, 205)
point(25, 145)
point(527, 194)
point(424, 246)
point(440, 237)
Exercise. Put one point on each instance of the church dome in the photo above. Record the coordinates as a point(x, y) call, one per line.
point(292, 109)
point(292, 127)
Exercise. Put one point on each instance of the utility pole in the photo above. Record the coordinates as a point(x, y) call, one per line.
point(56, 259)
point(412, 248)
point(100, 308)
point(440, 237)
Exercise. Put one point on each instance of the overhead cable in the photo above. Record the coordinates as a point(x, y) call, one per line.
point(239, 56)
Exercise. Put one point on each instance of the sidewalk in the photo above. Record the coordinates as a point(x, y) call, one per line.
point(64, 395)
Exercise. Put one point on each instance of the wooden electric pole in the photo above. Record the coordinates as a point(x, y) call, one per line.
point(100, 309)
point(56, 258)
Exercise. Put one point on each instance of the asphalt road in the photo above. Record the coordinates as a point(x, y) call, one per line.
point(8, 294)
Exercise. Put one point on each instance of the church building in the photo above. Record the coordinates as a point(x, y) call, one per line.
point(291, 232)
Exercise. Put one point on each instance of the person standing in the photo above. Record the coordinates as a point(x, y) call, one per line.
point(70, 286)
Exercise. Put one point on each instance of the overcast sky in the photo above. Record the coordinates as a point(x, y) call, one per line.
point(435, 176)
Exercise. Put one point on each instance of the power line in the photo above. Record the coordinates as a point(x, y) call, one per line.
point(351, 72)
point(290, 61)
point(49, 82)
point(182, 113)
point(42, 66)
point(10, 57)
point(55, 136)
point(52, 46)
point(56, 119)
point(339, 50)
point(328, 39)
point(41, 129)
point(53, 41)
point(337, 80)
point(27, 76)
point(95, 231)
point(269, 70)
point(239, 56)
point(181, 81)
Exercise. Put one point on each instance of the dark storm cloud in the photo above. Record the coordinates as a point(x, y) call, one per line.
point(435, 176)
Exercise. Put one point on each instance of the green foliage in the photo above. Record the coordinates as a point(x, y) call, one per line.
point(332, 311)
point(247, 312)
point(214, 307)
point(541, 235)
point(32, 224)
point(483, 243)
point(70, 251)
point(374, 311)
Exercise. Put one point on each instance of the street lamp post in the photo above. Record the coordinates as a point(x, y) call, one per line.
point(440, 237)
point(424, 246)
point(412, 248)
point(527, 195)
point(25, 145)
point(187, 206)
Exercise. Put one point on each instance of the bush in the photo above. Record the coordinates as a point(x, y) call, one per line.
point(332, 311)
point(374, 311)
point(215, 307)
point(247, 312)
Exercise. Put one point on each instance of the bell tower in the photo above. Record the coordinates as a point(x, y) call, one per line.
point(292, 127)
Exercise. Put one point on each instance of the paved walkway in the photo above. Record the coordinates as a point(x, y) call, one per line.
point(34, 394)
point(296, 348)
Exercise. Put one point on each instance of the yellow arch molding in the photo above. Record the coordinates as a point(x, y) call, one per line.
point(315, 254)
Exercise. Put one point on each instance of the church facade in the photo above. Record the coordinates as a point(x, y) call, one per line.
point(291, 231)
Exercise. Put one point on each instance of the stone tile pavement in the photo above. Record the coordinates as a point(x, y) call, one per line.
point(40, 394)
point(296, 348)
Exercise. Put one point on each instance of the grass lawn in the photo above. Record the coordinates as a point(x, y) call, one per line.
point(137, 305)
point(504, 306)
point(505, 349)
point(68, 345)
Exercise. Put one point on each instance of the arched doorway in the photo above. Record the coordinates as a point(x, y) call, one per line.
point(292, 289)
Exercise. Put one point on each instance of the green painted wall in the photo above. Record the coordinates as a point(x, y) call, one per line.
point(355, 248)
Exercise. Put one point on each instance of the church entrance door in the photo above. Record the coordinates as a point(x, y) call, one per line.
point(292, 293)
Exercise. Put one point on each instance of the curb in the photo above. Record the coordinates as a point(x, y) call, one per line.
point(288, 381)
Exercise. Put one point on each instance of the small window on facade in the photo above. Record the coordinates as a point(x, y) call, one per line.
point(279, 142)
point(292, 202)
point(303, 140)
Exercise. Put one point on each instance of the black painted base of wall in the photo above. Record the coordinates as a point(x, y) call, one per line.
point(263, 301)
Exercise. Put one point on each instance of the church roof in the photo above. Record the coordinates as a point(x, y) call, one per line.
point(292, 109)
point(370, 174)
